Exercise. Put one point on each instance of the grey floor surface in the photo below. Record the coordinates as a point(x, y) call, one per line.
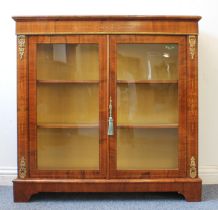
point(115, 201)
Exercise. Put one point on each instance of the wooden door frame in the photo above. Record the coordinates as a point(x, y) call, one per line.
point(70, 39)
point(150, 39)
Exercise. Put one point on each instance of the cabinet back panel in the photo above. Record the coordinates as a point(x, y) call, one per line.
point(144, 149)
point(147, 103)
point(68, 103)
point(72, 149)
point(147, 61)
point(67, 62)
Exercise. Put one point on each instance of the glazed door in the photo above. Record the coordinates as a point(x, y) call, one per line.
point(148, 93)
point(68, 128)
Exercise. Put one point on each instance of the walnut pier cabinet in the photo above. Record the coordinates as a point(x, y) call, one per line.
point(107, 104)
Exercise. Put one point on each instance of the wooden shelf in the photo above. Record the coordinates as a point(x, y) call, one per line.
point(68, 81)
point(147, 81)
point(174, 125)
point(61, 125)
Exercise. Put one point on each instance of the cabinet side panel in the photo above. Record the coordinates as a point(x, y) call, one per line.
point(192, 106)
point(22, 105)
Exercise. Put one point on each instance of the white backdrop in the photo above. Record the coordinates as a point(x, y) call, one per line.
point(208, 68)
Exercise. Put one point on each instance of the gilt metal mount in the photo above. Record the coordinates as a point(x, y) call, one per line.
point(192, 46)
point(193, 169)
point(22, 168)
point(21, 41)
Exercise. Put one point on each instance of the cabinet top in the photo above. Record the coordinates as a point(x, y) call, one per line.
point(105, 18)
point(54, 25)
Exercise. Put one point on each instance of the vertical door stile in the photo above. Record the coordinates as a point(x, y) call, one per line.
point(107, 102)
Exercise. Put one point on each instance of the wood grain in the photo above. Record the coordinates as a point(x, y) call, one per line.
point(107, 31)
point(147, 81)
point(104, 18)
point(148, 126)
point(34, 171)
point(181, 41)
point(23, 108)
point(68, 81)
point(55, 125)
point(192, 106)
point(23, 190)
point(107, 25)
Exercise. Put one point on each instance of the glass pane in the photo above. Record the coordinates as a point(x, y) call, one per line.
point(147, 103)
point(147, 95)
point(147, 62)
point(141, 149)
point(67, 103)
point(75, 149)
point(67, 107)
point(67, 62)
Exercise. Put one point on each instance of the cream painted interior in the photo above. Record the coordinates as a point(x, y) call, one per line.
point(144, 149)
point(141, 149)
point(147, 103)
point(73, 149)
point(67, 103)
point(67, 62)
point(147, 62)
